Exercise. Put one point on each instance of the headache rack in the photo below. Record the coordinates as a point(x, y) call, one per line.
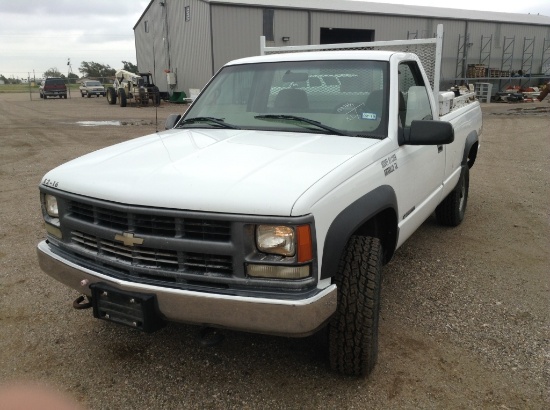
point(428, 51)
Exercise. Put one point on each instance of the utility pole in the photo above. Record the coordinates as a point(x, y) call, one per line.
point(69, 71)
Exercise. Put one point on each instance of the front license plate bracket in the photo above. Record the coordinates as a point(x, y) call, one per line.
point(136, 310)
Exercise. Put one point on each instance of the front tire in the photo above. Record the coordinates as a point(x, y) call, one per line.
point(122, 97)
point(111, 96)
point(451, 211)
point(353, 330)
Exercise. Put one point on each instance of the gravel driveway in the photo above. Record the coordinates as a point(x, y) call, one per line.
point(465, 311)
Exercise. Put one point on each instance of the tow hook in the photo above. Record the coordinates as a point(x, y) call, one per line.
point(77, 304)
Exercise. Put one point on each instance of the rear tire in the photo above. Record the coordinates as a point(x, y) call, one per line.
point(353, 330)
point(122, 97)
point(451, 211)
point(111, 96)
point(155, 96)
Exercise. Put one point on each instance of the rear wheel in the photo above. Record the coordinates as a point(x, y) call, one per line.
point(122, 97)
point(155, 96)
point(353, 330)
point(450, 212)
point(111, 96)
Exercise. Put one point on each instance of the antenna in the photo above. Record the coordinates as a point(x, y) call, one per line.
point(156, 96)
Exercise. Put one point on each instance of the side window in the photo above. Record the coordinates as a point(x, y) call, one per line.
point(414, 103)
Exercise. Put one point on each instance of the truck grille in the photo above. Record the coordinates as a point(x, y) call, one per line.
point(151, 224)
point(143, 257)
point(179, 247)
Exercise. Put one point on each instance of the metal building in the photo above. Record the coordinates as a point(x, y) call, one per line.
point(192, 39)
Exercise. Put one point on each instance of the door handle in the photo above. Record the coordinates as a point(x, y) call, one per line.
point(439, 148)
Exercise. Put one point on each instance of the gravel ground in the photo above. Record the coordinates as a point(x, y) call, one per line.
point(465, 311)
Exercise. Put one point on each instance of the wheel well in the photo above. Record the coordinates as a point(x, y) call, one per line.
point(472, 154)
point(384, 227)
point(373, 214)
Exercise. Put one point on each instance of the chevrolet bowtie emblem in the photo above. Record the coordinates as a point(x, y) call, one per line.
point(128, 239)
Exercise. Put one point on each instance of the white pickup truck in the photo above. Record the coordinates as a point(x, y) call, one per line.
point(264, 208)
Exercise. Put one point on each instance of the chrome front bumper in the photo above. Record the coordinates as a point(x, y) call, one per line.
point(257, 315)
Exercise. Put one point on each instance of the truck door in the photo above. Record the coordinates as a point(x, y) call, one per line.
point(421, 167)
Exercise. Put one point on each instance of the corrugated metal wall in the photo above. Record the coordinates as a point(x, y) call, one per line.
point(218, 33)
point(190, 43)
point(179, 45)
point(151, 51)
point(237, 30)
point(527, 41)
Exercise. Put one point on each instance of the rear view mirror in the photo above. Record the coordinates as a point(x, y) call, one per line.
point(290, 77)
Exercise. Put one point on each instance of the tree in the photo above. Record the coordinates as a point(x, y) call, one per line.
point(96, 70)
point(128, 66)
point(11, 80)
point(52, 72)
point(72, 78)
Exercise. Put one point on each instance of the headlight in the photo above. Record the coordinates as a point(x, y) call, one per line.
point(276, 239)
point(50, 202)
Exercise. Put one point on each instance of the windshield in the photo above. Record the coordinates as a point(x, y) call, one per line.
point(333, 97)
point(93, 83)
point(55, 81)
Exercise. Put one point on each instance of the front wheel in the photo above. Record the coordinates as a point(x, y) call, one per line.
point(111, 96)
point(353, 330)
point(122, 97)
point(450, 212)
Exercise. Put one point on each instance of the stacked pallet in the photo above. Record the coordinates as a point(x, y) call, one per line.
point(476, 71)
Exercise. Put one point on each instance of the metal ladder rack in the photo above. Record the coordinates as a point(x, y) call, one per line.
point(485, 52)
point(545, 66)
point(462, 55)
point(527, 59)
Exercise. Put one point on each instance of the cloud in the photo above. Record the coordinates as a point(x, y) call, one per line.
point(37, 35)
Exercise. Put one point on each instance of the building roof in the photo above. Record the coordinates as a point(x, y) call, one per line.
point(367, 7)
point(393, 9)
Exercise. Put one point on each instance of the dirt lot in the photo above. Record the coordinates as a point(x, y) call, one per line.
point(465, 311)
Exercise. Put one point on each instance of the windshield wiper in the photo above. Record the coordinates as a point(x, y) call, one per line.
point(286, 117)
point(212, 120)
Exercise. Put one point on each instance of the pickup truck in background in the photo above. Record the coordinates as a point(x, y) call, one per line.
point(53, 87)
point(92, 87)
point(264, 208)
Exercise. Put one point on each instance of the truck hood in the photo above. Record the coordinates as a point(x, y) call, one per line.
point(230, 171)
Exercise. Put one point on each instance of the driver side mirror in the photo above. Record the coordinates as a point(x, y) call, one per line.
point(171, 121)
point(429, 132)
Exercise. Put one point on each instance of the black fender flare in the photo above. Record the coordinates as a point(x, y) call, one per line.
point(471, 140)
point(355, 218)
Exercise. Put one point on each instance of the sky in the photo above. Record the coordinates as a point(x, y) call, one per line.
point(37, 35)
